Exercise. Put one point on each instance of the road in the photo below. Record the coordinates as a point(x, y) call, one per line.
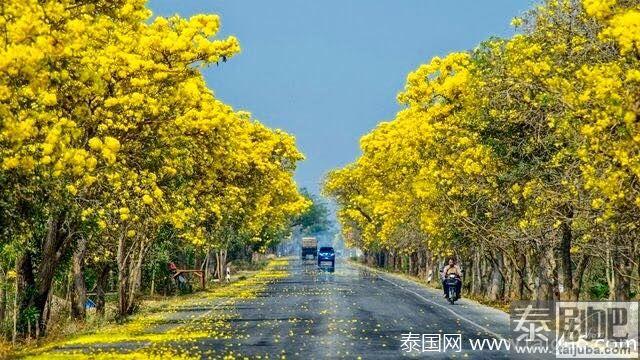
point(306, 313)
point(353, 313)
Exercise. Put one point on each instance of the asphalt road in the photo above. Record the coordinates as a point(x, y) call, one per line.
point(351, 313)
point(354, 312)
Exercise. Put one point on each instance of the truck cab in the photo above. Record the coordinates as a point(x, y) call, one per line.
point(326, 256)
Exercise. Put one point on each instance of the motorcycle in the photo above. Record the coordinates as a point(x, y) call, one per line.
point(452, 282)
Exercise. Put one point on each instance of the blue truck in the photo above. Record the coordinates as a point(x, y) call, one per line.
point(326, 255)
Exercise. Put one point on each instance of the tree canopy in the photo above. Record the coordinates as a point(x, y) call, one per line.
point(522, 154)
point(109, 134)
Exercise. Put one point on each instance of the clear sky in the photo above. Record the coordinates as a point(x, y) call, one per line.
point(327, 71)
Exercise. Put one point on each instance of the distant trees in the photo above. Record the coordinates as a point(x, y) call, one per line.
point(521, 157)
point(315, 219)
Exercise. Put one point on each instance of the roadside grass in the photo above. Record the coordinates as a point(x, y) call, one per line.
point(159, 329)
point(500, 305)
point(6, 348)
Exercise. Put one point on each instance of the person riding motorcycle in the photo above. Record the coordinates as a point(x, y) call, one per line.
point(451, 268)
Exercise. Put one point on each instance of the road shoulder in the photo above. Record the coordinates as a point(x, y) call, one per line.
point(171, 329)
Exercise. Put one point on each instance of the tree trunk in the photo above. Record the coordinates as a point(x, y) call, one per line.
point(578, 277)
point(35, 291)
point(435, 268)
point(56, 244)
point(207, 263)
point(3, 297)
point(470, 274)
point(215, 268)
point(102, 282)
point(152, 291)
point(522, 278)
point(416, 264)
point(622, 274)
point(135, 276)
point(122, 278)
point(412, 264)
point(476, 274)
point(222, 263)
point(14, 333)
point(496, 288)
point(484, 275)
point(421, 268)
point(507, 272)
point(547, 275)
point(79, 288)
point(565, 255)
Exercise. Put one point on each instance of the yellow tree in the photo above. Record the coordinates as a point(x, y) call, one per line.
point(104, 118)
point(245, 198)
point(522, 151)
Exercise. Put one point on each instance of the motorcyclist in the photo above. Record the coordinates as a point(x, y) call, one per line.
point(451, 268)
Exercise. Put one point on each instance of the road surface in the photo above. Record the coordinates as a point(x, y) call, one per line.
point(310, 313)
point(354, 312)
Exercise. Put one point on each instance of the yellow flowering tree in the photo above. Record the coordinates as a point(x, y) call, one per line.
point(520, 157)
point(108, 134)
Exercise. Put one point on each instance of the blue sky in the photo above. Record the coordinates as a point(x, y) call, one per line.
point(327, 71)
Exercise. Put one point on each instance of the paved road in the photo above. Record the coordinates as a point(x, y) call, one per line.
point(314, 314)
point(354, 312)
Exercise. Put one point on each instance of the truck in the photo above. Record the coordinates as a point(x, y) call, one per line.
point(309, 247)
